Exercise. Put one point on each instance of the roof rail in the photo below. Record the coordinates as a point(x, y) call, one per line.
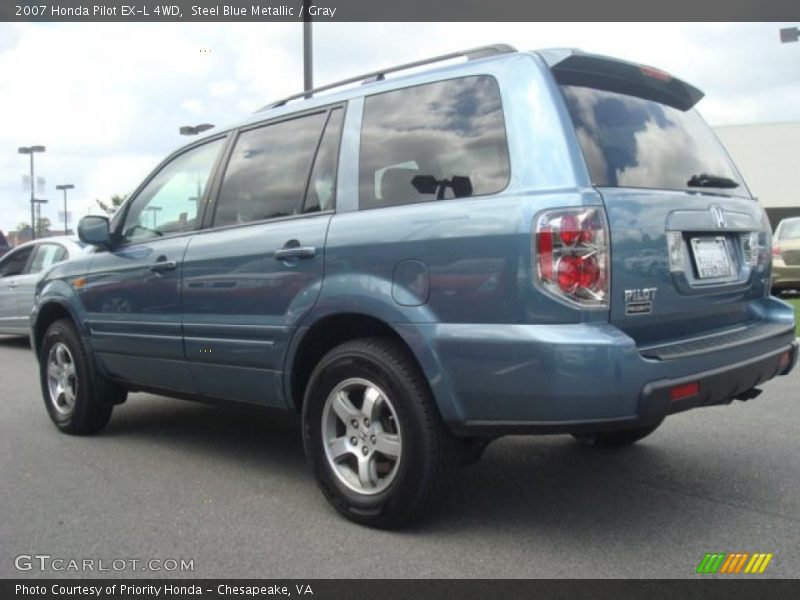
point(471, 54)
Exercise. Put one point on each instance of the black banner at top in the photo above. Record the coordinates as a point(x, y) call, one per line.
point(394, 589)
point(396, 10)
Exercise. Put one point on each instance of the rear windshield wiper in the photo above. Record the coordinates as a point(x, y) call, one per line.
point(706, 180)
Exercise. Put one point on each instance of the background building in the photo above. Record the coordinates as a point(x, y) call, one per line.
point(768, 155)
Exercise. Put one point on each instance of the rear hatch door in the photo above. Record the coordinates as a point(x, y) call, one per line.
point(686, 235)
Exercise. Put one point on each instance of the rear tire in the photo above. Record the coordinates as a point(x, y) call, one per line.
point(373, 436)
point(615, 439)
point(78, 400)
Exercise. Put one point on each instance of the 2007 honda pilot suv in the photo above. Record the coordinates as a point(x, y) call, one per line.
point(543, 242)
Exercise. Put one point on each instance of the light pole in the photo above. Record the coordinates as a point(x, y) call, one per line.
point(31, 150)
point(38, 202)
point(194, 129)
point(153, 210)
point(65, 187)
point(790, 34)
point(308, 50)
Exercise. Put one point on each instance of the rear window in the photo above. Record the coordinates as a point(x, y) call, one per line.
point(632, 142)
point(790, 230)
point(433, 142)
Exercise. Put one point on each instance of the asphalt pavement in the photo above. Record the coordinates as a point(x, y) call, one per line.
point(229, 489)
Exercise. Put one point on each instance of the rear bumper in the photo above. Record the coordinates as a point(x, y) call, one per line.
point(785, 276)
point(517, 379)
point(718, 386)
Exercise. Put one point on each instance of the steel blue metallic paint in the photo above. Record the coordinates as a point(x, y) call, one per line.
point(453, 279)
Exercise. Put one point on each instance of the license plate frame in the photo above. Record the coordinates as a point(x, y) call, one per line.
point(711, 257)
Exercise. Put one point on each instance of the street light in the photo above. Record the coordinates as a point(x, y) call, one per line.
point(65, 187)
point(790, 34)
point(31, 150)
point(195, 129)
point(308, 50)
point(38, 202)
point(153, 210)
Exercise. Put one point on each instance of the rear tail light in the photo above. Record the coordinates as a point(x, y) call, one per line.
point(776, 251)
point(570, 255)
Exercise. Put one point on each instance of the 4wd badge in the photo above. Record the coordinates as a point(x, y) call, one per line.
point(639, 301)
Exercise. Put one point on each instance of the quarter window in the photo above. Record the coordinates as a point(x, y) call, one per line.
point(432, 142)
point(172, 201)
point(268, 171)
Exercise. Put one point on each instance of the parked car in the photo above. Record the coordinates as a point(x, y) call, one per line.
point(509, 244)
point(786, 256)
point(4, 245)
point(20, 269)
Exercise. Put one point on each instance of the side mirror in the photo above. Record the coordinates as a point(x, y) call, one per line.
point(94, 230)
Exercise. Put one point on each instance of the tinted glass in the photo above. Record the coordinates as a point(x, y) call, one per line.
point(46, 255)
point(14, 263)
point(268, 170)
point(447, 137)
point(632, 142)
point(171, 202)
point(320, 194)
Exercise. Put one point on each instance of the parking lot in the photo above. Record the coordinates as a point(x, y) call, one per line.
point(229, 488)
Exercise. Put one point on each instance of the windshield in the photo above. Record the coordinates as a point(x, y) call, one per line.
point(631, 142)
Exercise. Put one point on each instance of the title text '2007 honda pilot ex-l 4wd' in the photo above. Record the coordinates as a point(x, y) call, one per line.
point(542, 242)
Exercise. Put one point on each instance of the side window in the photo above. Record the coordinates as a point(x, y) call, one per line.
point(171, 201)
point(321, 190)
point(14, 263)
point(46, 255)
point(268, 171)
point(434, 141)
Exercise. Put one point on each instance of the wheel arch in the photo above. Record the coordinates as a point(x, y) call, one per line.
point(47, 313)
point(316, 338)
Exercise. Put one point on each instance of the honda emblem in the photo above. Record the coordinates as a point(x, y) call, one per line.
point(719, 216)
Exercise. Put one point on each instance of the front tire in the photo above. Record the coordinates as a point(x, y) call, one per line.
point(78, 401)
point(373, 436)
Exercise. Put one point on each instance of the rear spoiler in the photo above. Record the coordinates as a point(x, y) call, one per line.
point(575, 67)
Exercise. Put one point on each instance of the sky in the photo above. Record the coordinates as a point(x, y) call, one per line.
point(107, 99)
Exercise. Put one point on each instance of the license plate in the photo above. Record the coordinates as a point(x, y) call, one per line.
point(711, 257)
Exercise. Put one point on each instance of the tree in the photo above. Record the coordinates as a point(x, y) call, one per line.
point(112, 205)
point(42, 226)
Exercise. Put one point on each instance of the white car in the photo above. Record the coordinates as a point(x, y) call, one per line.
point(20, 269)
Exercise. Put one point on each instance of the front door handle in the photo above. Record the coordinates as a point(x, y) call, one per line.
point(295, 252)
point(163, 265)
point(12, 285)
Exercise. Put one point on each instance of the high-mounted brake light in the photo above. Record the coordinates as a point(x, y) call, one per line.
point(655, 73)
point(570, 254)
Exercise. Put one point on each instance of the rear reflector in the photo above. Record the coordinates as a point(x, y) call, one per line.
point(679, 392)
point(786, 357)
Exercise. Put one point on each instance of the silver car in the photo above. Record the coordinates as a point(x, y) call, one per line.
point(20, 269)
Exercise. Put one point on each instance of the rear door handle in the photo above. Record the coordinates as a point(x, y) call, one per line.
point(163, 266)
point(12, 285)
point(295, 252)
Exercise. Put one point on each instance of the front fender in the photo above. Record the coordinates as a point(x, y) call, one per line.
point(55, 295)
